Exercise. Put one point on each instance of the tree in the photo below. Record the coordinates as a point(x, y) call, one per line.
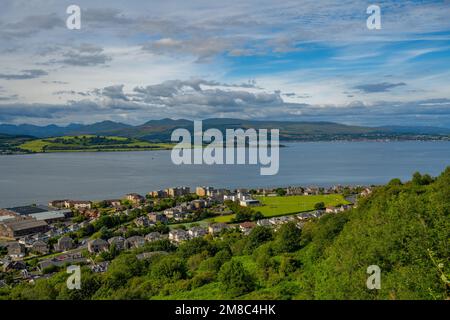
point(319, 206)
point(3, 251)
point(395, 182)
point(169, 267)
point(194, 246)
point(417, 178)
point(257, 216)
point(257, 237)
point(124, 267)
point(281, 192)
point(288, 238)
point(234, 279)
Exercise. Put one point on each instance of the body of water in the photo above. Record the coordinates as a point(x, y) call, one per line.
point(38, 178)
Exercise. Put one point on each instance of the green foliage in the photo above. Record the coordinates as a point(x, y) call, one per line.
point(169, 268)
point(196, 245)
point(3, 251)
point(288, 238)
point(257, 237)
point(123, 268)
point(234, 279)
point(319, 206)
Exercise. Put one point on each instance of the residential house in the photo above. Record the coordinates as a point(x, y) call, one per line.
point(78, 204)
point(366, 192)
point(97, 246)
point(143, 221)
point(26, 241)
point(115, 203)
point(170, 213)
point(59, 204)
point(246, 227)
point(73, 258)
point(134, 242)
point(180, 215)
point(331, 209)
point(294, 191)
point(305, 216)
point(197, 232)
point(178, 235)
point(64, 244)
point(74, 227)
point(216, 228)
point(90, 213)
point(158, 217)
point(39, 237)
point(264, 223)
point(277, 221)
point(100, 267)
point(118, 242)
point(199, 204)
point(50, 234)
point(14, 266)
point(40, 247)
point(135, 198)
point(153, 236)
point(311, 191)
point(16, 250)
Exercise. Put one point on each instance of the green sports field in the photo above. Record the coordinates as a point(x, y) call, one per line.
point(280, 206)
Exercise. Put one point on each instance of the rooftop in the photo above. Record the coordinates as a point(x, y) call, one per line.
point(24, 224)
point(50, 215)
point(25, 210)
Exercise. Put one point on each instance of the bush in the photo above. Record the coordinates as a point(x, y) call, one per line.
point(234, 279)
point(169, 267)
point(202, 278)
point(288, 238)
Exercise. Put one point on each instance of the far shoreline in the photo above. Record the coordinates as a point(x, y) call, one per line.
point(284, 145)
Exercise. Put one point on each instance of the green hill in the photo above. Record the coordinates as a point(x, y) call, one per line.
point(161, 130)
point(11, 143)
point(90, 143)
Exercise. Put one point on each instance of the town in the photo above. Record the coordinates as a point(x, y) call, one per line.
point(38, 240)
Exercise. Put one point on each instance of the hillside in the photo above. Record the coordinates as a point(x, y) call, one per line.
point(11, 143)
point(402, 227)
point(90, 143)
point(160, 130)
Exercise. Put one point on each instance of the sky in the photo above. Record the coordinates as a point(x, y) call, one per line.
point(133, 61)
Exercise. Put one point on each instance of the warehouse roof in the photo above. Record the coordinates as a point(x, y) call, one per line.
point(25, 210)
point(23, 224)
point(50, 215)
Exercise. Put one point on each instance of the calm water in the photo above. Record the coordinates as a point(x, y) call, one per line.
point(26, 179)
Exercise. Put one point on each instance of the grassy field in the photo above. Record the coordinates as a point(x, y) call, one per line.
point(91, 143)
point(280, 206)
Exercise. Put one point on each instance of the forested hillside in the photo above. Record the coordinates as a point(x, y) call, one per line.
point(403, 228)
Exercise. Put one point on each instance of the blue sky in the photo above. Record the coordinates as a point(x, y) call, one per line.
point(292, 60)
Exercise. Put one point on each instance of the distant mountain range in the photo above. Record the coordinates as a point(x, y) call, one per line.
point(161, 130)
